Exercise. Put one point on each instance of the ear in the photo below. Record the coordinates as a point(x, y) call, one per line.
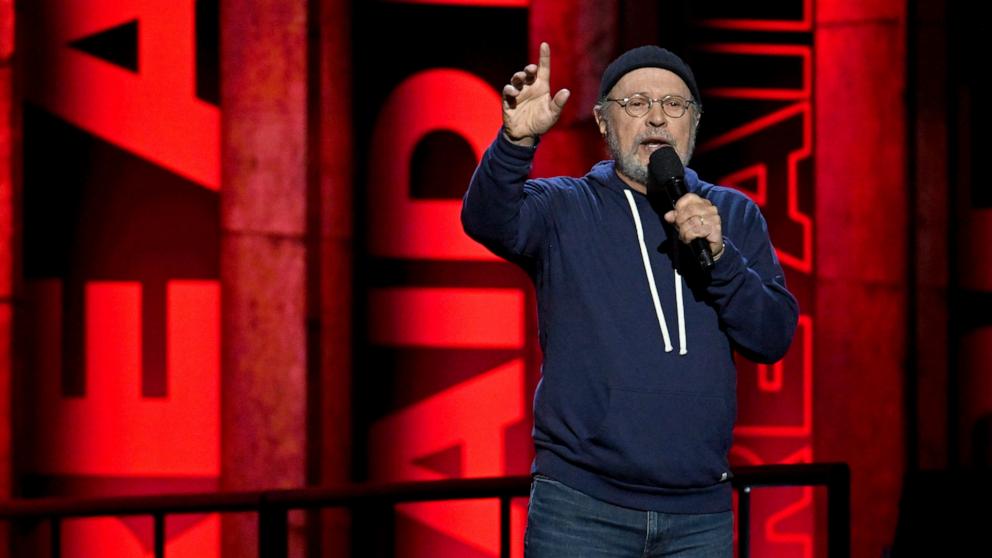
point(597, 113)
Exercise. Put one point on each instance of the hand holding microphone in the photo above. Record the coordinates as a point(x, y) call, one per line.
point(696, 219)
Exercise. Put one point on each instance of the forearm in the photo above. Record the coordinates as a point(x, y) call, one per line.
point(759, 313)
point(495, 211)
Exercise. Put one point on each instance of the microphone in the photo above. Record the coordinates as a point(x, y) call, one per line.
point(667, 178)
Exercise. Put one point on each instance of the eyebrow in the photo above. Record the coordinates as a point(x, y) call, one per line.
point(646, 94)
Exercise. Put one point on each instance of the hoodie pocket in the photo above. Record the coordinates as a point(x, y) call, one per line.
point(665, 439)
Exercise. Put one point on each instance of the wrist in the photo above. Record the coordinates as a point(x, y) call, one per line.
point(719, 253)
point(524, 141)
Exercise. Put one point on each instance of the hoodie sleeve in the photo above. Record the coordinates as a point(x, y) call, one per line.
point(748, 287)
point(501, 209)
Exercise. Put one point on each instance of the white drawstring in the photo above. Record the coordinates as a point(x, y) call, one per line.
point(650, 275)
point(681, 312)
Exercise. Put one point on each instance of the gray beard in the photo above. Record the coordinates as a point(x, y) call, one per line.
point(628, 164)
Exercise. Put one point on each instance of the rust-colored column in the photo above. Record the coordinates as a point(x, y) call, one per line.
point(7, 250)
point(329, 257)
point(263, 268)
point(583, 39)
point(860, 257)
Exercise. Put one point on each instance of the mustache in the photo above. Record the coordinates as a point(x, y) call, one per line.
point(654, 135)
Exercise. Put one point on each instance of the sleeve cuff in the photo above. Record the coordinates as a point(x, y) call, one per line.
point(731, 263)
point(511, 151)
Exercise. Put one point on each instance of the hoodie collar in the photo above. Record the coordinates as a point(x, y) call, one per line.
point(604, 173)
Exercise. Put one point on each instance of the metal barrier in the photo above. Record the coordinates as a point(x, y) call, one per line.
point(836, 477)
point(273, 506)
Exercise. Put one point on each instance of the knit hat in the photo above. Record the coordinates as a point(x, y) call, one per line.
point(648, 56)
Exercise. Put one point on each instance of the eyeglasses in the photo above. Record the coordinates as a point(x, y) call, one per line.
point(639, 105)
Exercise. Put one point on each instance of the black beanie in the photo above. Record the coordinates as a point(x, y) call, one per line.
point(648, 56)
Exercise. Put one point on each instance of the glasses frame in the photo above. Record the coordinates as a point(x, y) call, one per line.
point(686, 103)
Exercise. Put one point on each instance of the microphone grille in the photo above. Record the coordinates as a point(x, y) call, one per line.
point(665, 164)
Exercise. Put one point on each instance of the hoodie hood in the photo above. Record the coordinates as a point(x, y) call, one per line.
point(605, 174)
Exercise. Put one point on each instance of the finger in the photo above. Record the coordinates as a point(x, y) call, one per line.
point(510, 96)
point(694, 222)
point(687, 200)
point(709, 228)
point(710, 221)
point(694, 229)
point(685, 216)
point(685, 222)
point(544, 63)
point(670, 217)
point(688, 210)
point(518, 80)
point(685, 234)
point(678, 218)
point(559, 100)
point(531, 71)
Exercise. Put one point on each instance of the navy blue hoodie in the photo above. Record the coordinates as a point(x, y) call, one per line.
point(637, 399)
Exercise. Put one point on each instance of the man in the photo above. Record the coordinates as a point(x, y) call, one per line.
point(634, 412)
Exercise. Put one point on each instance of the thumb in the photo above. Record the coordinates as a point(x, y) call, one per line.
point(670, 217)
point(559, 100)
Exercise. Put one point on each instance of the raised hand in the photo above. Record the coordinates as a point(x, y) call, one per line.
point(529, 110)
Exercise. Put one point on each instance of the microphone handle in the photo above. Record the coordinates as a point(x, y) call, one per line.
point(701, 248)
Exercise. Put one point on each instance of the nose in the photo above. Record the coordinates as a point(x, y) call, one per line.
point(656, 116)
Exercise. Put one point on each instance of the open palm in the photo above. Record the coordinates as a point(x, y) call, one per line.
point(529, 110)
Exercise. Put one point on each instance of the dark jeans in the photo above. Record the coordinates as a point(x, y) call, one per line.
point(565, 523)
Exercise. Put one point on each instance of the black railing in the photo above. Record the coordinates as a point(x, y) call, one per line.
point(273, 506)
point(836, 477)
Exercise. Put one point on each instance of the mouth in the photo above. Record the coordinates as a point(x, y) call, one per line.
point(654, 144)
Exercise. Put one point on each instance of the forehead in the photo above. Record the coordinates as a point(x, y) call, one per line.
point(656, 82)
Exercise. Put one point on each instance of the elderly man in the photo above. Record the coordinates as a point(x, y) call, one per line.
point(633, 417)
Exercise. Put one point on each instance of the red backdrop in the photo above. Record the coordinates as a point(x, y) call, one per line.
point(121, 378)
